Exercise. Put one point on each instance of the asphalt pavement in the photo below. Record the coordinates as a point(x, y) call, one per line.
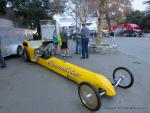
point(31, 88)
point(6, 23)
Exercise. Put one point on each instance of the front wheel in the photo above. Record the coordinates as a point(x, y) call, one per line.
point(89, 96)
point(126, 76)
point(26, 56)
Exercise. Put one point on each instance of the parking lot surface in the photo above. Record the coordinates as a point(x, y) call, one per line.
point(31, 88)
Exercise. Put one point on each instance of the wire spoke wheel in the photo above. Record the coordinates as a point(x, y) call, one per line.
point(89, 96)
point(26, 56)
point(19, 51)
point(126, 75)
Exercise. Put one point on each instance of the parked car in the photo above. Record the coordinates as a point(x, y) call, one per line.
point(130, 33)
point(11, 40)
point(128, 29)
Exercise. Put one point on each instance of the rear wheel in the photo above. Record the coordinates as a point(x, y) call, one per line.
point(19, 51)
point(126, 75)
point(25, 55)
point(89, 96)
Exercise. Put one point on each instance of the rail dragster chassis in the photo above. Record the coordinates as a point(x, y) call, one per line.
point(92, 86)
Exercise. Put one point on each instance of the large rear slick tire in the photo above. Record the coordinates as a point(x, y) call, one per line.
point(25, 55)
point(19, 50)
point(89, 96)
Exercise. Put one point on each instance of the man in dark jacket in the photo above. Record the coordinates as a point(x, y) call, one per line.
point(3, 64)
point(84, 41)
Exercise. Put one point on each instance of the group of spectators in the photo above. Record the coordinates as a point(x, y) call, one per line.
point(61, 40)
point(81, 38)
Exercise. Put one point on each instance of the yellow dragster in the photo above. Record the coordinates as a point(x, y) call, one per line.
point(91, 85)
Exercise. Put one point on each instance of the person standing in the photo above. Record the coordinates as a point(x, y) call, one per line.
point(55, 41)
point(84, 41)
point(2, 61)
point(78, 41)
point(112, 35)
point(64, 46)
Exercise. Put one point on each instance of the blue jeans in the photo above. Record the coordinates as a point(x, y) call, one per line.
point(2, 60)
point(85, 53)
point(78, 45)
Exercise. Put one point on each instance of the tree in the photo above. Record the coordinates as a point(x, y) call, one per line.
point(147, 2)
point(135, 17)
point(140, 18)
point(36, 10)
point(80, 9)
point(111, 8)
point(117, 10)
point(106, 9)
point(2, 6)
point(145, 22)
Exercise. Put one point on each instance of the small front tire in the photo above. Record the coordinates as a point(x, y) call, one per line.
point(126, 75)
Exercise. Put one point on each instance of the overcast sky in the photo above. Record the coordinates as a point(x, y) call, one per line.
point(138, 5)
